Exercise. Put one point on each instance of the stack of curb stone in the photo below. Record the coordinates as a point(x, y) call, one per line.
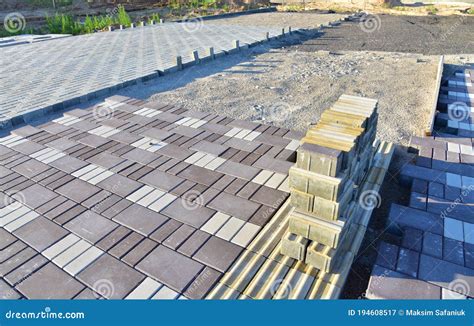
point(332, 163)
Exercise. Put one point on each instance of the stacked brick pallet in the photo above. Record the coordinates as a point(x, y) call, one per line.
point(332, 162)
point(432, 255)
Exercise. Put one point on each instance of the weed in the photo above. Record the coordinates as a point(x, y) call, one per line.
point(431, 9)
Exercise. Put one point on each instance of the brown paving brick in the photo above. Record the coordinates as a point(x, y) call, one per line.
point(235, 186)
point(182, 188)
point(238, 170)
point(218, 253)
point(140, 219)
point(162, 180)
point(139, 155)
point(6, 239)
point(205, 197)
point(68, 164)
point(7, 292)
point(17, 185)
point(178, 168)
point(269, 196)
point(16, 261)
point(168, 164)
point(31, 168)
point(203, 284)
point(127, 244)
point(171, 268)
point(91, 226)
point(135, 255)
point(229, 153)
point(105, 160)
point(40, 233)
point(24, 270)
point(178, 237)
point(262, 149)
point(142, 171)
point(56, 175)
point(70, 214)
point(210, 148)
point(41, 176)
point(234, 206)
point(200, 175)
point(60, 209)
point(159, 161)
point(28, 148)
point(193, 243)
point(120, 185)
point(122, 277)
point(248, 190)
point(129, 169)
point(51, 205)
point(50, 282)
point(78, 190)
point(239, 156)
point(96, 199)
point(187, 131)
point(263, 215)
point(58, 183)
point(11, 250)
point(165, 230)
point(93, 141)
point(175, 152)
point(116, 208)
point(268, 163)
point(194, 215)
point(105, 204)
point(113, 238)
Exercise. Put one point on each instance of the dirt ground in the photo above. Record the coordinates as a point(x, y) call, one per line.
point(291, 89)
point(281, 19)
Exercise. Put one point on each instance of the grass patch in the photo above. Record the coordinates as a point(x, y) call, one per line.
point(431, 9)
point(470, 11)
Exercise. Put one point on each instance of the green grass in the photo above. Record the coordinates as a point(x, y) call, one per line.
point(470, 11)
point(431, 9)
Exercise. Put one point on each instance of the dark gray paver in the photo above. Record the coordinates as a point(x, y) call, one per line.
point(234, 206)
point(50, 282)
point(218, 253)
point(78, 190)
point(193, 215)
point(387, 284)
point(91, 226)
point(40, 233)
point(110, 278)
point(170, 268)
point(140, 219)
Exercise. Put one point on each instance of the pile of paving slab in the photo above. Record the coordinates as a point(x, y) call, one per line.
point(332, 162)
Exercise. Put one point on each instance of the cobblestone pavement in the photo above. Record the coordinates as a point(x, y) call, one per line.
point(114, 200)
point(35, 77)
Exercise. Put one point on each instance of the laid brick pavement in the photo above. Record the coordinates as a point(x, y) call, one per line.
point(135, 204)
point(42, 77)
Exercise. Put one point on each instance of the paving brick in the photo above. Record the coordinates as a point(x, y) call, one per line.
point(234, 206)
point(50, 282)
point(412, 239)
point(119, 185)
point(7, 292)
point(126, 245)
point(408, 262)
point(141, 250)
point(442, 273)
point(200, 175)
point(91, 226)
point(25, 270)
point(170, 268)
point(162, 180)
point(145, 290)
point(218, 254)
point(238, 170)
point(193, 243)
point(78, 190)
point(387, 255)
point(178, 237)
point(165, 230)
point(269, 197)
point(194, 215)
point(40, 233)
point(453, 251)
point(110, 278)
point(387, 284)
point(203, 283)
